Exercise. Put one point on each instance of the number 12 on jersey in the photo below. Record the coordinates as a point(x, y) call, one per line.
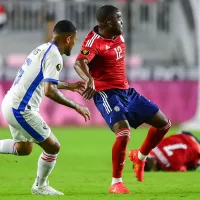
point(20, 73)
point(118, 51)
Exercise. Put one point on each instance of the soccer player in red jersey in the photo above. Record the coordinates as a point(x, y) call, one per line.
point(101, 63)
point(179, 152)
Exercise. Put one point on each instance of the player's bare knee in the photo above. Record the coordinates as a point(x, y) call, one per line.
point(162, 118)
point(24, 152)
point(165, 122)
point(24, 148)
point(57, 148)
point(159, 120)
point(53, 149)
point(121, 125)
point(162, 122)
point(122, 131)
point(50, 145)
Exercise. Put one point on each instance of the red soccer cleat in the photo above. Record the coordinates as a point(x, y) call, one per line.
point(118, 188)
point(138, 165)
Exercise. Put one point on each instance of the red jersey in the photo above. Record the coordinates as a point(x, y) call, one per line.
point(106, 60)
point(177, 153)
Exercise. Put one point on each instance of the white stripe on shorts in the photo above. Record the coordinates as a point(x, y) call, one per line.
point(105, 102)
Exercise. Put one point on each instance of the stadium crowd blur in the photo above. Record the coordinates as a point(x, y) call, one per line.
point(148, 25)
point(161, 36)
point(3, 16)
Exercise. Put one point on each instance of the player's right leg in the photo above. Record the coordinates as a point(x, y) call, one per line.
point(27, 127)
point(46, 164)
point(122, 132)
point(41, 134)
point(108, 103)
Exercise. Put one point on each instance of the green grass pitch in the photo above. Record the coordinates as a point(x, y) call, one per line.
point(83, 170)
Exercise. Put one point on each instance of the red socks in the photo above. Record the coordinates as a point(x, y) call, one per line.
point(119, 152)
point(154, 136)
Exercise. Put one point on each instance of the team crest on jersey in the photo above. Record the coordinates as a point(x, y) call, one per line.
point(85, 52)
point(58, 67)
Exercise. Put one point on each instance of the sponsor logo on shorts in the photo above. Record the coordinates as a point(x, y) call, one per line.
point(44, 126)
point(116, 109)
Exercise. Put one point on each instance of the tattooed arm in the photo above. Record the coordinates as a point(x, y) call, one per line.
point(75, 87)
point(52, 92)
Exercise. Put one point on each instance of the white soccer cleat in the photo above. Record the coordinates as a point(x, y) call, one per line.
point(45, 190)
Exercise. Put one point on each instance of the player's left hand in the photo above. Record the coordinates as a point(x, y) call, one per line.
point(90, 90)
point(84, 111)
point(78, 87)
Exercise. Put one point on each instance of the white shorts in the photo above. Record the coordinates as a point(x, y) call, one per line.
point(25, 126)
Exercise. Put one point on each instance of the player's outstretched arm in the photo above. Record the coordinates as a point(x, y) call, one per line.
point(82, 69)
point(79, 86)
point(52, 92)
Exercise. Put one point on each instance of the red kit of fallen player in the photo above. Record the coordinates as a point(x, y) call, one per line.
point(179, 152)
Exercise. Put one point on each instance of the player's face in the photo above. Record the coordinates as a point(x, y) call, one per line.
point(70, 41)
point(116, 24)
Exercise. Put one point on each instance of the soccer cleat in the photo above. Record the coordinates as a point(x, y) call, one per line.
point(138, 165)
point(45, 190)
point(118, 188)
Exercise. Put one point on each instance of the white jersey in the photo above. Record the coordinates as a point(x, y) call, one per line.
point(43, 64)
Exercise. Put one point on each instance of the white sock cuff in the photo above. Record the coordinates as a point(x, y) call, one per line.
point(48, 157)
point(141, 156)
point(116, 180)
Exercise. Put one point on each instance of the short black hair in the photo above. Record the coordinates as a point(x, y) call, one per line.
point(106, 11)
point(64, 26)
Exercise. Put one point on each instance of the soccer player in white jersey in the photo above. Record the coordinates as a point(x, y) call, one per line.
point(39, 76)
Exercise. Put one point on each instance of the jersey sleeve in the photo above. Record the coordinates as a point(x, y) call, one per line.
point(90, 47)
point(51, 68)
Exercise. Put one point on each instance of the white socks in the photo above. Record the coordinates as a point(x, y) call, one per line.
point(46, 164)
point(46, 161)
point(7, 146)
point(141, 156)
point(116, 180)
